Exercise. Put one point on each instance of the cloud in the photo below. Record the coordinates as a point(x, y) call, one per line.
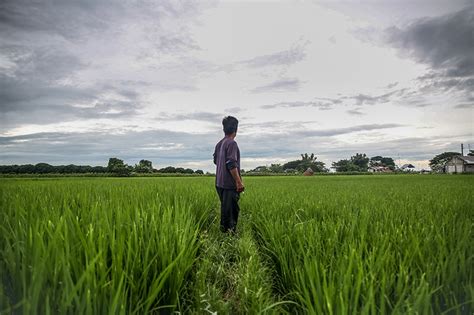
point(37, 102)
point(446, 45)
point(445, 42)
point(355, 112)
point(346, 130)
point(282, 85)
point(68, 60)
point(200, 116)
point(465, 106)
point(329, 103)
point(364, 99)
point(318, 104)
point(76, 19)
point(282, 58)
point(233, 110)
point(163, 147)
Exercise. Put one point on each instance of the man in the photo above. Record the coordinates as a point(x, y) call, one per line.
point(228, 181)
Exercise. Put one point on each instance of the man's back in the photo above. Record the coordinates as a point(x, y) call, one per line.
point(226, 156)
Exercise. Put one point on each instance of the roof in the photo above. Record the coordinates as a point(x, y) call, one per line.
point(467, 158)
point(407, 166)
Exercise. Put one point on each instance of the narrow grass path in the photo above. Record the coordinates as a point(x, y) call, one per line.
point(230, 276)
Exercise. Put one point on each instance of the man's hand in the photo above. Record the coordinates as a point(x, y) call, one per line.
point(240, 186)
point(238, 181)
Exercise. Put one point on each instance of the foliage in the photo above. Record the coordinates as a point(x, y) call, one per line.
point(471, 153)
point(44, 168)
point(118, 167)
point(344, 166)
point(361, 161)
point(368, 245)
point(381, 244)
point(178, 170)
point(382, 161)
point(358, 163)
point(305, 162)
point(144, 166)
point(293, 166)
point(439, 161)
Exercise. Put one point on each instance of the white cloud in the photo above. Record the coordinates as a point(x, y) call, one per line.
point(280, 67)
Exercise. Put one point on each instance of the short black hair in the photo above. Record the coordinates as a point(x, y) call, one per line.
point(230, 124)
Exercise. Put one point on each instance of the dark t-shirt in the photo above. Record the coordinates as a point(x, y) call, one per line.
point(226, 152)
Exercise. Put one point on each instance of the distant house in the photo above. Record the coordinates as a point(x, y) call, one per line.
point(460, 164)
point(408, 168)
point(379, 169)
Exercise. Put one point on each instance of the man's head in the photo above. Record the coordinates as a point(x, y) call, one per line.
point(230, 125)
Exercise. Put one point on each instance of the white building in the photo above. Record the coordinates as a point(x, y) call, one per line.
point(460, 164)
point(408, 168)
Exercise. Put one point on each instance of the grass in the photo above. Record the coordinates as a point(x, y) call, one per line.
point(310, 245)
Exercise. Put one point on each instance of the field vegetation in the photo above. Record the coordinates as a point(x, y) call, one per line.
point(309, 245)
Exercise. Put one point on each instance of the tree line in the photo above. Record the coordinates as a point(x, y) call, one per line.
point(144, 166)
point(359, 162)
point(115, 166)
point(356, 163)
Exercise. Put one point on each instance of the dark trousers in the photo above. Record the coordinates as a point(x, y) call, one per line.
point(229, 208)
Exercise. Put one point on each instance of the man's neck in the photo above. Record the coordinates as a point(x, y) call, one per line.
point(231, 136)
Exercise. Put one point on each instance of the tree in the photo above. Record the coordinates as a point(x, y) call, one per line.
point(200, 172)
point(291, 165)
point(439, 161)
point(168, 169)
point(117, 166)
point(261, 169)
point(345, 166)
point(44, 168)
point(276, 168)
point(144, 166)
point(305, 162)
point(188, 171)
point(382, 161)
point(471, 153)
point(361, 161)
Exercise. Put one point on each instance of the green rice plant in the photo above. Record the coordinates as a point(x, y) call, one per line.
point(97, 245)
point(373, 245)
point(311, 245)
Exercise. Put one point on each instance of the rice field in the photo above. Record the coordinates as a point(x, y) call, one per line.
point(305, 245)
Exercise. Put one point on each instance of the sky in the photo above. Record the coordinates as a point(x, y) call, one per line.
point(83, 81)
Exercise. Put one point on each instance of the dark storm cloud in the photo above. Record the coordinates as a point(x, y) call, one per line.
point(38, 82)
point(282, 85)
point(71, 19)
point(445, 43)
point(37, 102)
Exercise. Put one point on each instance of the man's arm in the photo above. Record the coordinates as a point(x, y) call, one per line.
point(238, 180)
